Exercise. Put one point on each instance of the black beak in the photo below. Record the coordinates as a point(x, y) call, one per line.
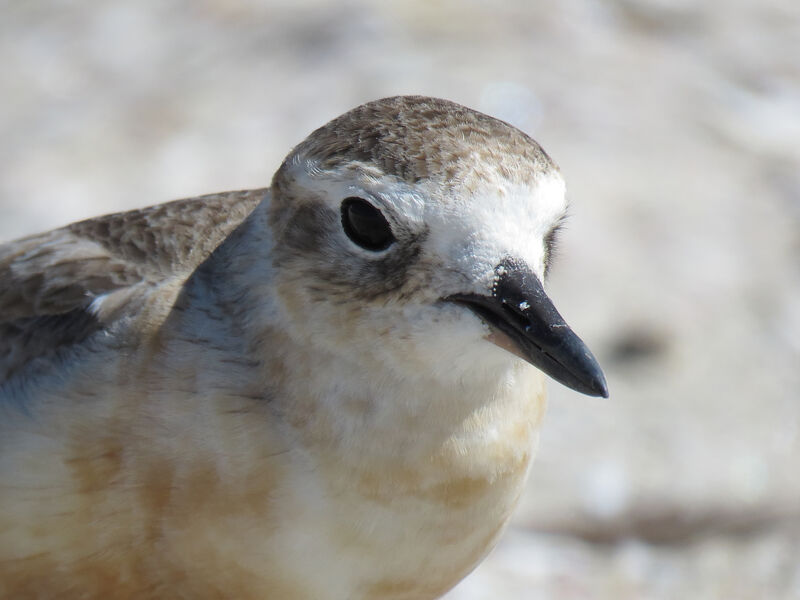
point(520, 309)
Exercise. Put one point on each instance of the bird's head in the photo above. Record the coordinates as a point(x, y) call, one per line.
point(416, 233)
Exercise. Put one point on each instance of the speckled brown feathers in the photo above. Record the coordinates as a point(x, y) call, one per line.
point(48, 281)
point(415, 137)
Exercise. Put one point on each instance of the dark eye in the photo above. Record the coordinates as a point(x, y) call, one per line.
point(366, 225)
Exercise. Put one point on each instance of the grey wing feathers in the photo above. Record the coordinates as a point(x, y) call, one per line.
point(48, 281)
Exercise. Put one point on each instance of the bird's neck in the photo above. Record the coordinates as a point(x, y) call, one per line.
point(333, 403)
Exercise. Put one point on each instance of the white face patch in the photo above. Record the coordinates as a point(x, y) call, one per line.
point(465, 232)
point(498, 220)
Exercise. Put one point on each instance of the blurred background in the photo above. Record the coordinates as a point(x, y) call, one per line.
point(677, 126)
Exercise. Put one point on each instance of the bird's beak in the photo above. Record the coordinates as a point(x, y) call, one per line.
point(524, 321)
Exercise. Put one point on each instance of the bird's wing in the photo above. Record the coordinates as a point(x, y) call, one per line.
point(49, 281)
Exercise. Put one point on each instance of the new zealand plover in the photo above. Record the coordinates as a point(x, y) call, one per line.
point(325, 389)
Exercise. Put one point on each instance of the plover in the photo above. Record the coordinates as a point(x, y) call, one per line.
point(326, 389)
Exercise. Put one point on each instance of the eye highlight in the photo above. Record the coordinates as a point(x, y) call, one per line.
point(365, 225)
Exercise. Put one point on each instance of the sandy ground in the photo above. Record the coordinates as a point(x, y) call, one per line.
point(676, 125)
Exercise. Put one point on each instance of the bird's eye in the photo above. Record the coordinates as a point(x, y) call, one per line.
point(366, 225)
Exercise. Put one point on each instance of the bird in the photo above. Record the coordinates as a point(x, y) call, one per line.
point(330, 388)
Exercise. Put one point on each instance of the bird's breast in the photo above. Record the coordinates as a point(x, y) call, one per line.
point(407, 515)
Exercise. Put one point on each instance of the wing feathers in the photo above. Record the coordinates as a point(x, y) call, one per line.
point(49, 281)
